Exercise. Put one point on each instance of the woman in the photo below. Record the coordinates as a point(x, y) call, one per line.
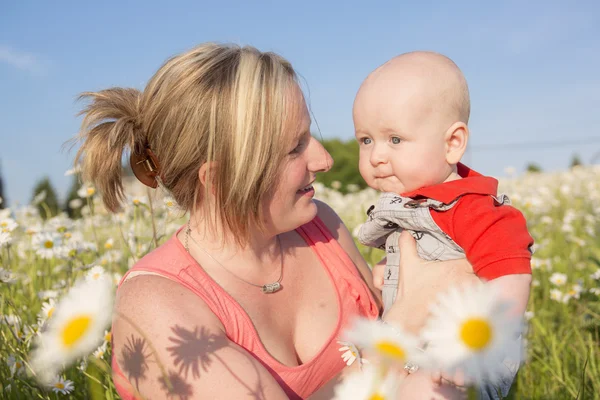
point(248, 298)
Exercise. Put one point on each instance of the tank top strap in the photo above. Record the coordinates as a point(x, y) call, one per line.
point(348, 280)
point(172, 261)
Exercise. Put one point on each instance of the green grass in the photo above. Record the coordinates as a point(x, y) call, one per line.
point(563, 353)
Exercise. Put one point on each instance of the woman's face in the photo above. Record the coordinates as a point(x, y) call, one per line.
point(292, 203)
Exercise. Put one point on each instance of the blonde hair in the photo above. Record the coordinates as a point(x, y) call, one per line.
point(219, 104)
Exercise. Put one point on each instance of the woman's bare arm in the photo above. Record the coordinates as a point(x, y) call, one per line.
point(168, 344)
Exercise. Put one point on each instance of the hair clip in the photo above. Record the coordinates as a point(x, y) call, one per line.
point(145, 167)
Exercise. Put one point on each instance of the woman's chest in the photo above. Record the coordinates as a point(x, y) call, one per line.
point(295, 323)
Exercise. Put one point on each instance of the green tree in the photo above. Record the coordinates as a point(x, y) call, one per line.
point(345, 164)
point(71, 207)
point(44, 197)
point(575, 161)
point(533, 167)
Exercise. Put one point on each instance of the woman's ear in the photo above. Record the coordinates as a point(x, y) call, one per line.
point(205, 174)
point(457, 137)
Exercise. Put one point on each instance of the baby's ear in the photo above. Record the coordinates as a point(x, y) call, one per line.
point(457, 137)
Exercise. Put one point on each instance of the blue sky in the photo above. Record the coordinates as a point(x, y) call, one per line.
point(532, 67)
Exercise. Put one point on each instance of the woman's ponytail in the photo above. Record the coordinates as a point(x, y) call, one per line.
point(111, 123)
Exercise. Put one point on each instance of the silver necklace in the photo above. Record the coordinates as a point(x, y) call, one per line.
point(266, 288)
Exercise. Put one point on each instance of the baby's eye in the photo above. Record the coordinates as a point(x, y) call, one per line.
point(366, 140)
point(396, 140)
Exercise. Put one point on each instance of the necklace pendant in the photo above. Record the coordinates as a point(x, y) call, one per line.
point(271, 287)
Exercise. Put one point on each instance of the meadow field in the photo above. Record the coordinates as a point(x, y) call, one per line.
point(42, 258)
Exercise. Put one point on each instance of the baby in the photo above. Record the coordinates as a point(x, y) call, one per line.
point(410, 118)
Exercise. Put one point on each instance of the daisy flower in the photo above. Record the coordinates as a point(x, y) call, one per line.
point(596, 275)
point(16, 366)
point(529, 315)
point(47, 294)
point(385, 341)
point(61, 385)
point(86, 191)
point(371, 383)
point(558, 279)
point(595, 291)
point(47, 245)
point(116, 278)
point(139, 200)
point(39, 198)
point(75, 204)
point(169, 203)
point(97, 272)
point(556, 294)
point(5, 239)
point(7, 277)
point(7, 225)
point(573, 293)
point(471, 330)
point(60, 224)
point(351, 353)
point(75, 329)
point(46, 312)
point(100, 351)
point(107, 336)
point(109, 244)
point(75, 170)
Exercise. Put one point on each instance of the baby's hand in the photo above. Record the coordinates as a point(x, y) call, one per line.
point(378, 271)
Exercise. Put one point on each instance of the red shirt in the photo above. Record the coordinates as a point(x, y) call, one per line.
point(495, 238)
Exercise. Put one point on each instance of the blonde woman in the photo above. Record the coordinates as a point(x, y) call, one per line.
point(247, 299)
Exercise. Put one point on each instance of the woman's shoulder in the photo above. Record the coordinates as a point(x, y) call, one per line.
point(152, 297)
point(339, 232)
point(331, 220)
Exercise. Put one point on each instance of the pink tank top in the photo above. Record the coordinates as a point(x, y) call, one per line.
point(172, 261)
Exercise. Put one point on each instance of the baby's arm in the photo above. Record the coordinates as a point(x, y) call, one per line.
point(513, 289)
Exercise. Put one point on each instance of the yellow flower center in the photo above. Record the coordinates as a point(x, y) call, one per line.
point(136, 202)
point(4, 224)
point(108, 246)
point(91, 191)
point(18, 365)
point(476, 333)
point(5, 230)
point(376, 396)
point(169, 204)
point(48, 244)
point(391, 350)
point(75, 329)
point(96, 276)
point(59, 385)
point(107, 337)
point(68, 235)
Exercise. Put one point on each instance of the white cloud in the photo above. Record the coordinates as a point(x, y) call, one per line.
point(22, 60)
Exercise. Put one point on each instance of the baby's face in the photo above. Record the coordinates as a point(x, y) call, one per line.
point(401, 135)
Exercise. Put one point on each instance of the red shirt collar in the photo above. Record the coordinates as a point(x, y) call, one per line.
point(472, 182)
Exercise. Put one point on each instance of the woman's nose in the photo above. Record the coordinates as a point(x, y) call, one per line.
point(320, 159)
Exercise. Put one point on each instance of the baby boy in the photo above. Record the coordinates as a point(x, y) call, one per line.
point(411, 121)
